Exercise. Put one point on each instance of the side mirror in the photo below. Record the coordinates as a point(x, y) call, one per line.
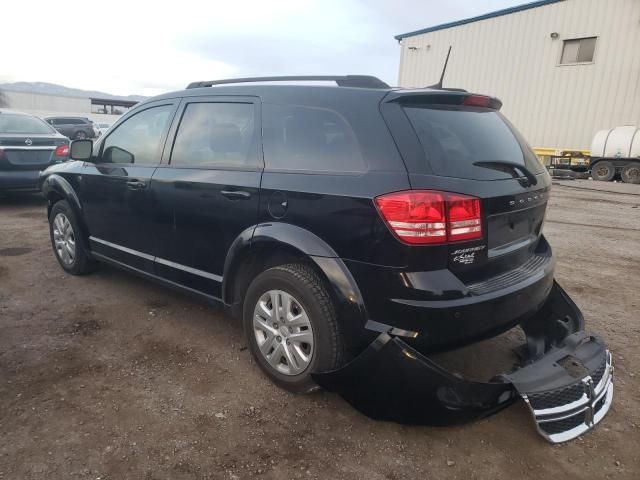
point(81, 150)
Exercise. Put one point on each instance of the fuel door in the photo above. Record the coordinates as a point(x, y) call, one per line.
point(278, 205)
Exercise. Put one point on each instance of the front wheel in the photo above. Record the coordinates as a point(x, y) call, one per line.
point(290, 323)
point(66, 239)
point(80, 135)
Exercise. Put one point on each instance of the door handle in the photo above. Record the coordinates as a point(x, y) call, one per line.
point(236, 194)
point(136, 184)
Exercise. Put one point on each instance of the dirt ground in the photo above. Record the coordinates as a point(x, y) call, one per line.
point(111, 377)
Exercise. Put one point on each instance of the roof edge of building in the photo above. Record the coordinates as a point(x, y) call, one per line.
point(486, 16)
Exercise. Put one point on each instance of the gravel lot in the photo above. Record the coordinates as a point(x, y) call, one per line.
point(111, 377)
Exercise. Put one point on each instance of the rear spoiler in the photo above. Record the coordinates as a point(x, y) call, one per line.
point(449, 96)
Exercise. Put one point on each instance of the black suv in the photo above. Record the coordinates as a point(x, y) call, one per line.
point(354, 228)
point(77, 128)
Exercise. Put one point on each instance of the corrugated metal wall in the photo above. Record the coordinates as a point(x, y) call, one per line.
point(514, 58)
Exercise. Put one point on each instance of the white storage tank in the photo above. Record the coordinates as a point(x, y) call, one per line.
point(616, 153)
point(618, 142)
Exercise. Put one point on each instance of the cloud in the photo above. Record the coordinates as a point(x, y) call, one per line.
point(127, 47)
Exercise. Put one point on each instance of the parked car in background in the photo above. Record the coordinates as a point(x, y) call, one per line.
point(27, 146)
point(103, 127)
point(77, 128)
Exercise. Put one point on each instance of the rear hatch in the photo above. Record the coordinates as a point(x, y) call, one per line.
point(28, 143)
point(460, 143)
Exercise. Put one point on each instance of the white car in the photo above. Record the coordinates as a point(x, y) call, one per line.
point(103, 127)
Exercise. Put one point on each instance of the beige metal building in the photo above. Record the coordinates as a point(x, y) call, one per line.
point(564, 69)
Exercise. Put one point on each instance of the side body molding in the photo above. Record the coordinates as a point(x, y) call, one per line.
point(265, 236)
point(56, 183)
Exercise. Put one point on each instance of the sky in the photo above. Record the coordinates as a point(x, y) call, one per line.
point(151, 47)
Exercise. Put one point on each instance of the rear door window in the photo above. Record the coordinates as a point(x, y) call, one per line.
point(309, 139)
point(454, 138)
point(216, 134)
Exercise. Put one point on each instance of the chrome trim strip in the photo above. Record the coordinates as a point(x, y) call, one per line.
point(162, 261)
point(582, 401)
point(575, 405)
point(123, 249)
point(194, 271)
point(33, 147)
point(583, 427)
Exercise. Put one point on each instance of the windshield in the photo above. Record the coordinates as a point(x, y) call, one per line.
point(454, 138)
point(23, 124)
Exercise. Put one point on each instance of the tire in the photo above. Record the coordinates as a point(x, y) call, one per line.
point(81, 135)
point(265, 332)
point(631, 173)
point(603, 171)
point(68, 243)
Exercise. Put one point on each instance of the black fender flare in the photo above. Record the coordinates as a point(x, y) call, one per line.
point(351, 306)
point(56, 184)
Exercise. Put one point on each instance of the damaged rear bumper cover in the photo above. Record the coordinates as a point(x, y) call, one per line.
point(565, 378)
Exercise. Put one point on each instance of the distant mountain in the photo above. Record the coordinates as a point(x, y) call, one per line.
point(53, 89)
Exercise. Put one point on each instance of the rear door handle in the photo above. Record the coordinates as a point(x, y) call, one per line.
point(136, 184)
point(236, 194)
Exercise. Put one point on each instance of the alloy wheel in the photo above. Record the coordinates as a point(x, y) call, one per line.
point(283, 332)
point(64, 239)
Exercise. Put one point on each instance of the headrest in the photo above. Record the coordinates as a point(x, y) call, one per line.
point(225, 138)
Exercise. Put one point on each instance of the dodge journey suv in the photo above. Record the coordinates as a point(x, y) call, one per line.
point(354, 228)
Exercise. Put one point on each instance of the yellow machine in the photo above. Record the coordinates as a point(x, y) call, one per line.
point(564, 162)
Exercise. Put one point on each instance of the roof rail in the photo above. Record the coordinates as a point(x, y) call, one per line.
point(359, 81)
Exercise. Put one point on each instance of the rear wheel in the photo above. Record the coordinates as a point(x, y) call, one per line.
point(80, 135)
point(68, 244)
point(603, 171)
point(631, 173)
point(290, 324)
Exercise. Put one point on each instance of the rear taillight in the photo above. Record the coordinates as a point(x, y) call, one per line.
point(464, 218)
point(62, 151)
point(430, 217)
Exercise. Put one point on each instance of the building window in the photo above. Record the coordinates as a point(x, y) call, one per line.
point(578, 50)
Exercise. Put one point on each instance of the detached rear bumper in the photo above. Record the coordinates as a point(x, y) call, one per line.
point(566, 379)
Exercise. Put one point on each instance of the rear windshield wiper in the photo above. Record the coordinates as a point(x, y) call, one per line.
point(500, 165)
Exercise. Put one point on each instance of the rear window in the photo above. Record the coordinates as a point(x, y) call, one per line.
point(23, 124)
point(309, 139)
point(454, 138)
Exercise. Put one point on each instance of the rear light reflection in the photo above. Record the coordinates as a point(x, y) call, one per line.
point(62, 151)
point(430, 217)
